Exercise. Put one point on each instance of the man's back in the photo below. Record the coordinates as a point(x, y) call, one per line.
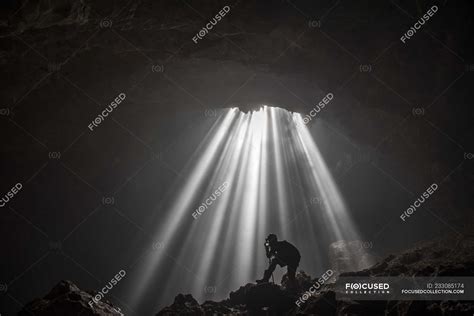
point(286, 252)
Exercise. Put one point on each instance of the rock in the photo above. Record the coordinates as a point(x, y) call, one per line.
point(444, 256)
point(211, 308)
point(43, 14)
point(365, 308)
point(183, 305)
point(67, 299)
point(322, 304)
point(437, 257)
point(269, 296)
point(303, 280)
point(352, 255)
point(239, 297)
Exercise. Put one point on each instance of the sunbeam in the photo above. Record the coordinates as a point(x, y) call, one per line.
point(250, 176)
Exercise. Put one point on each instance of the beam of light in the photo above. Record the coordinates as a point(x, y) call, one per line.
point(222, 210)
point(273, 167)
point(182, 203)
point(334, 213)
point(334, 209)
point(249, 188)
point(279, 166)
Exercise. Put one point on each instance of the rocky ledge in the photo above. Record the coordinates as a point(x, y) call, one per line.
point(449, 256)
point(67, 299)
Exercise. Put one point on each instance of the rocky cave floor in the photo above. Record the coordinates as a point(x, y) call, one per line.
point(446, 256)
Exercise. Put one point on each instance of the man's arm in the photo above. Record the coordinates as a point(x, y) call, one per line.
point(269, 251)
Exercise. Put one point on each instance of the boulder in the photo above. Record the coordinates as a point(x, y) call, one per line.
point(184, 304)
point(67, 299)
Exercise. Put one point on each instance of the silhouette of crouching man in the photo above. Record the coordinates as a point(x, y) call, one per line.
point(281, 253)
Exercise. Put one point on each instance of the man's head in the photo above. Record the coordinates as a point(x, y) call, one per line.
point(271, 239)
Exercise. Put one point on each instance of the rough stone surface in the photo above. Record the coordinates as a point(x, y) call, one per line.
point(67, 299)
point(350, 256)
point(441, 257)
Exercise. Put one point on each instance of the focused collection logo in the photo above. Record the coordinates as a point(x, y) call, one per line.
point(367, 288)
